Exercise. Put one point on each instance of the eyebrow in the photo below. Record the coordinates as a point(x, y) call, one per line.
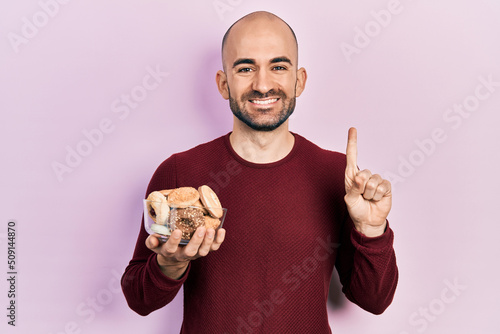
point(252, 61)
point(281, 60)
point(243, 61)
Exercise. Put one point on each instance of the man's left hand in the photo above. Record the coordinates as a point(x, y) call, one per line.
point(368, 196)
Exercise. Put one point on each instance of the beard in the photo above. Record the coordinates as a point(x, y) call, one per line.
point(243, 115)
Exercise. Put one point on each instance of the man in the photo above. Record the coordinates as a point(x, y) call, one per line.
point(294, 210)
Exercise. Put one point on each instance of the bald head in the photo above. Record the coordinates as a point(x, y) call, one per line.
point(257, 22)
point(261, 78)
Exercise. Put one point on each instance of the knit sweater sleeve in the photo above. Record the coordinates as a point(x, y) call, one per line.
point(367, 268)
point(145, 287)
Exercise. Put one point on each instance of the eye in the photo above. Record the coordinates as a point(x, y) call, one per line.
point(279, 68)
point(244, 69)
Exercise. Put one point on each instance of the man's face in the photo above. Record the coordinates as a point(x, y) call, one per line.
point(269, 110)
point(260, 61)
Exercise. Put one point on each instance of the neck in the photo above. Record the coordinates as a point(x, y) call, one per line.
point(261, 146)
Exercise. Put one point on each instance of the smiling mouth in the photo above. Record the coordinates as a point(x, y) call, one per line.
point(264, 102)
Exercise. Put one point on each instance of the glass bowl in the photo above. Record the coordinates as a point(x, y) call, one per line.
point(164, 219)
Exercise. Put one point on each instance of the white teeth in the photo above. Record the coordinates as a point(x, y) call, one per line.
point(264, 101)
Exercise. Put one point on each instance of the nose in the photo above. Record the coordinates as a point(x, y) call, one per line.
point(262, 82)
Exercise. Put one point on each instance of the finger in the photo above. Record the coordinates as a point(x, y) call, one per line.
point(352, 149)
point(207, 242)
point(191, 249)
point(170, 247)
point(221, 234)
point(371, 186)
point(384, 189)
point(358, 183)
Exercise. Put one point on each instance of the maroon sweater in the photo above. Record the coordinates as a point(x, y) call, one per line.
point(287, 226)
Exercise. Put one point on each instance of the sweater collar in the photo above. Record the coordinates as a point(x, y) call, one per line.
point(288, 157)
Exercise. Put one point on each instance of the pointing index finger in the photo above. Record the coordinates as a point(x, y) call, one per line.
point(352, 149)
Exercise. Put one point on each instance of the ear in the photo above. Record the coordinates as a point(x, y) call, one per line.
point(221, 80)
point(300, 84)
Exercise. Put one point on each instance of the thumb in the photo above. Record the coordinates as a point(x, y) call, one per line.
point(152, 242)
point(356, 188)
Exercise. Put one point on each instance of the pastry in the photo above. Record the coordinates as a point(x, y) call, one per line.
point(183, 197)
point(210, 201)
point(187, 220)
point(160, 229)
point(166, 192)
point(158, 208)
point(200, 205)
point(212, 222)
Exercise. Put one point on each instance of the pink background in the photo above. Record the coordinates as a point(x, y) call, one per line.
point(75, 234)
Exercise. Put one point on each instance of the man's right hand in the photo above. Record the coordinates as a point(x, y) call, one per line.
point(174, 259)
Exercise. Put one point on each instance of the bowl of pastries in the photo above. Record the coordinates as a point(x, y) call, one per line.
point(184, 208)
